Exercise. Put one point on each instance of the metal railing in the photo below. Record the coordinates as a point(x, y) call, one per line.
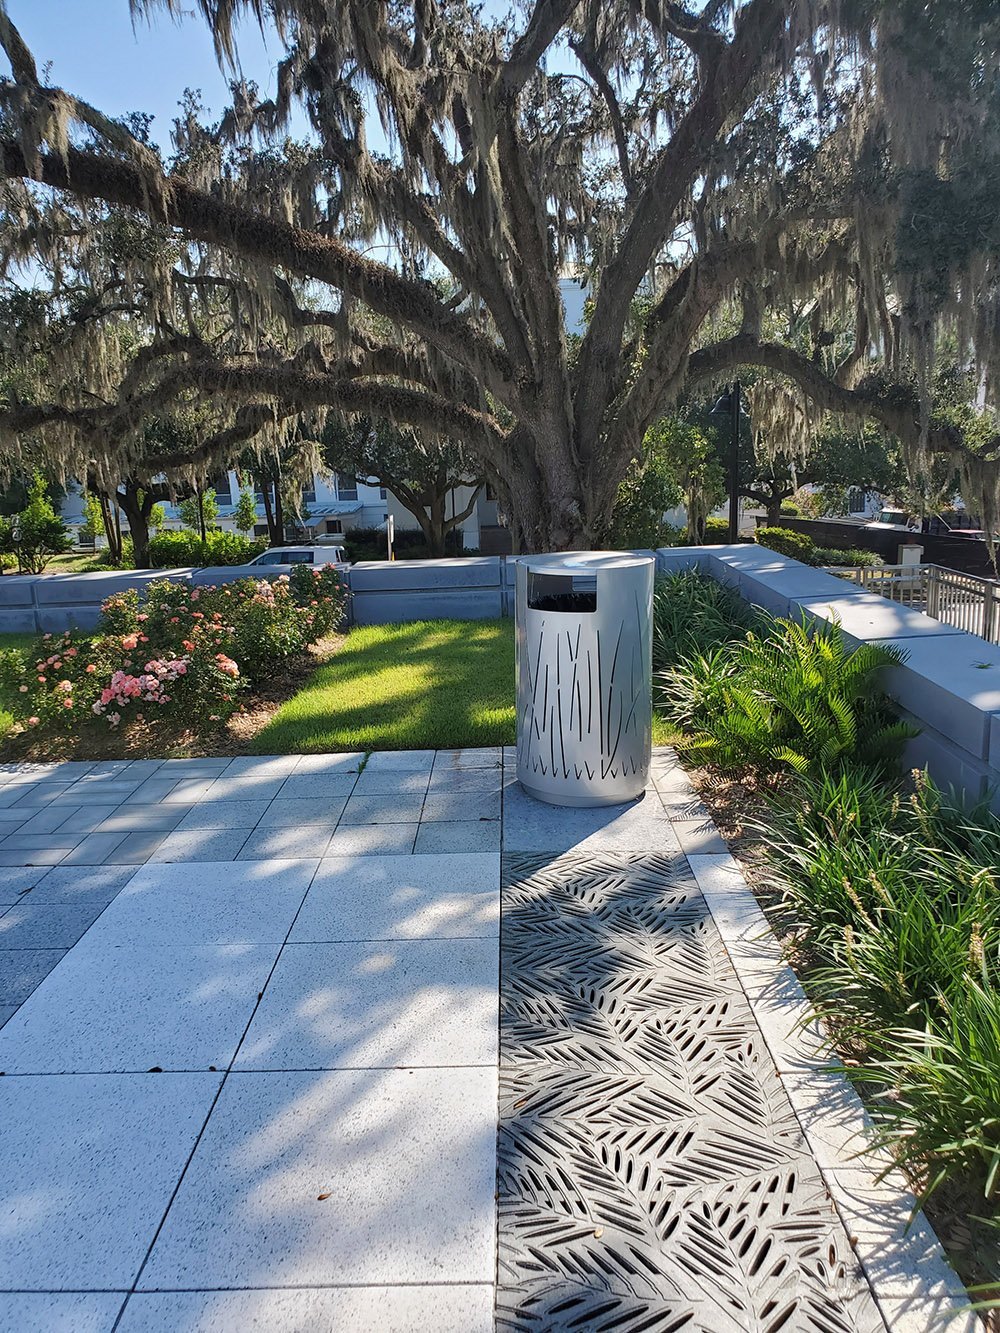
point(963, 600)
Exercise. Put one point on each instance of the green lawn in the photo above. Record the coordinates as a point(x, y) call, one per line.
point(27, 643)
point(433, 684)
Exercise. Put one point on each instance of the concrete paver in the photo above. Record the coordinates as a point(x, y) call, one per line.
point(311, 958)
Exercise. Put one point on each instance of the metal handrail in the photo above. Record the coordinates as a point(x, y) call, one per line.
point(965, 601)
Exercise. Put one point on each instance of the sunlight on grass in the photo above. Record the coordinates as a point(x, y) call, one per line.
point(428, 684)
point(438, 683)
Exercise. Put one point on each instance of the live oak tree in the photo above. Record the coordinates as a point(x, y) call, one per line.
point(763, 173)
point(423, 476)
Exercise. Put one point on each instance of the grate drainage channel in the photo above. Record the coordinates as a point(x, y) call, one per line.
point(652, 1174)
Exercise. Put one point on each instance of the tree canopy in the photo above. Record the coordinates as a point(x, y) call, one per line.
point(808, 187)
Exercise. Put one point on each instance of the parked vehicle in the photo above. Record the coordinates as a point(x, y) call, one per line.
point(949, 523)
point(286, 556)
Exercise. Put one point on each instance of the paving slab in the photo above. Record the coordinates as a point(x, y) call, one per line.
point(406, 761)
point(93, 1160)
point(330, 763)
point(204, 903)
point(317, 810)
point(391, 782)
point(460, 805)
point(294, 1183)
point(202, 844)
point(372, 839)
point(21, 970)
point(87, 884)
point(464, 780)
point(531, 826)
point(371, 1004)
point(15, 881)
point(128, 1009)
point(59, 1311)
point(481, 835)
point(398, 809)
point(33, 924)
point(401, 897)
point(223, 814)
point(144, 818)
point(411, 1309)
point(266, 844)
point(317, 786)
point(93, 849)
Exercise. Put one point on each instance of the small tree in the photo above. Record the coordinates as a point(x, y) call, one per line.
point(245, 514)
point(209, 511)
point(41, 532)
point(93, 518)
point(649, 489)
point(157, 517)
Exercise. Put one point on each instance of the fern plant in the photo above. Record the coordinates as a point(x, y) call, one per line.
point(792, 696)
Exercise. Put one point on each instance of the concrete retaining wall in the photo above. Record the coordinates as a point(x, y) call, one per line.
point(949, 685)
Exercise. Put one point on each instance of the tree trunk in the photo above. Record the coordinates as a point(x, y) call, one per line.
point(110, 530)
point(273, 536)
point(137, 509)
point(435, 530)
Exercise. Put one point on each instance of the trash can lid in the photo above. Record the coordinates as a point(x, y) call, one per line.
point(584, 562)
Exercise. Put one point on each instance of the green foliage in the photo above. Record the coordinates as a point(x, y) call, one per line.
point(693, 614)
point(184, 653)
point(686, 454)
point(894, 902)
point(786, 542)
point(93, 518)
point(408, 544)
point(649, 488)
point(790, 509)
point(169, 550)
point(830, 555)
point(199, 508)
point(245, 513)
point(42, 533)
point(716, 531)
point(787, 697)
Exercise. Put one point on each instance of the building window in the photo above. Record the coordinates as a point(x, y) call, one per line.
point(222, 489)
point(334, 525)
point(309, 495)
point(260, 530)
point(855, 500)
point(347, 486)
point(381, 492)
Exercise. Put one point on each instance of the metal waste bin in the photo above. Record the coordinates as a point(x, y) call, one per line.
point(584, 676)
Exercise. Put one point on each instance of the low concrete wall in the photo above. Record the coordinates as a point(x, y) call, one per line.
point(949, 685)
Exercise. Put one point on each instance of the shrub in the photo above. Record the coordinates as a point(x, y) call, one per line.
point(788, 697)
point(894, 900)
point(716, 531)
point(177, 549)
point(41, 532)
point(185, 653)
point(693, 614)
point(830, 555)
point(408, 544)
point(786, 542)
point(790, 509)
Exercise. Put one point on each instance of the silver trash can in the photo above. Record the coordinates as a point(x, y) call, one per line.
point(584, 676)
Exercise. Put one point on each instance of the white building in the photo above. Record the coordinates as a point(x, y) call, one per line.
point(332, 505)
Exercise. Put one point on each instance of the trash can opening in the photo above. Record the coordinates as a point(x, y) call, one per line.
point(562, 592)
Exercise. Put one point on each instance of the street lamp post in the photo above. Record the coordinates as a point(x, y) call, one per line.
point(729, 405)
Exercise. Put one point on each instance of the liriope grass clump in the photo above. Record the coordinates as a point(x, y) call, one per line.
point(893, 900)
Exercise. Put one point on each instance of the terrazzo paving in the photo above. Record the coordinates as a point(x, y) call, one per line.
point(272, 1062)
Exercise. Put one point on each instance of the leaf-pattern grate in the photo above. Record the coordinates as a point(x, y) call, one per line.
point(652, 1175)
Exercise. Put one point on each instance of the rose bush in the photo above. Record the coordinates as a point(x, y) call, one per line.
point(185, 652)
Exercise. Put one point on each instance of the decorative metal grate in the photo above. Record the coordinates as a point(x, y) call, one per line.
point(652, 1174)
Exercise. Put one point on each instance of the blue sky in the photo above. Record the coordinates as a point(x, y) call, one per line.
point(97, 54)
